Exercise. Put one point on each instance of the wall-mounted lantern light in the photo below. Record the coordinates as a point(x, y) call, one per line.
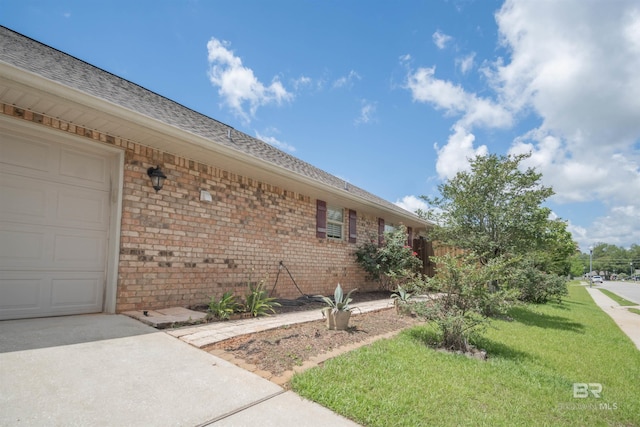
point(157, 178)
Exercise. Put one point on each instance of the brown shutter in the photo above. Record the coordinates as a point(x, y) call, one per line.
point(352, 226)
point(321, 219)
point(380, 231)
point(409, 236)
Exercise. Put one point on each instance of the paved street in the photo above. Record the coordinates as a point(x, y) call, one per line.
point(627, 290)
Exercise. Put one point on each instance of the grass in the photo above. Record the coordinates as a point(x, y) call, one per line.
point(617, 298)
point(528, 379)
point(634, 310)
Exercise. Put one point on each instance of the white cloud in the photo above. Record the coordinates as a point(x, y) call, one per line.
point(301, 82)
point(454, 156)
point(440, 39)
point(412, 204)
point(572, 70)
point(456, 101)
point(272, 140)
point(237, 85)
point(465, 63)
point(367, 112)
point(584, 85)
point(346, 81)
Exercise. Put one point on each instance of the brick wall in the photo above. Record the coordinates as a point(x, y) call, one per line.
point(178, 251)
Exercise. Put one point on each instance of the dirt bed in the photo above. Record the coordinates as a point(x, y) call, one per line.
point(276, 352)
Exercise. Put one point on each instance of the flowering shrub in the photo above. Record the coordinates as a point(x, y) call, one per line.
point(391, 264)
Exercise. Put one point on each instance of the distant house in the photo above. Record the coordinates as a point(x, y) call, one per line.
point(83, 231)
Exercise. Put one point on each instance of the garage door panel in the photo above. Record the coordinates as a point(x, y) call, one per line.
point(25, 153)
point(51, 248)
point(84, 166)
point(79, 251)
point(21, 197)
point(82, 208)
point(25, 247)
point(20, 294)
point(30, 294)
point(29, 200)
point(76, 292)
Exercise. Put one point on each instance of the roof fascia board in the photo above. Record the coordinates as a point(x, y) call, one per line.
point(47, 87)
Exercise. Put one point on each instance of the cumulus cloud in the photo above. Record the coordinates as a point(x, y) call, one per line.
point(585, 88)
point(412, 204)
point(440, 39)
point(237, 85)
point(454, 156)
point(572, 69)
point(455, 101)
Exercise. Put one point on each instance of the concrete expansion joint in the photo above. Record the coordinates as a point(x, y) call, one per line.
point(240, 409)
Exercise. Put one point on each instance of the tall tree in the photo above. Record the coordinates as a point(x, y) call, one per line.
point(494, 209)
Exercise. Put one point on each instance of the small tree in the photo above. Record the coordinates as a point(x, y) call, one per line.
point(495, 211)
point(391, 264)
point(462, 301)
point(492, 210)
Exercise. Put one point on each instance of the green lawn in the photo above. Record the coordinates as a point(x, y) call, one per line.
point(617, 298)
point(528, 379)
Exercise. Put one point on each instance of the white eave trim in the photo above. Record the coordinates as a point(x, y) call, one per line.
point(184, 138)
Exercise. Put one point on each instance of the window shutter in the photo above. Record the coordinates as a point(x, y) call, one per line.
point(321, 219)
point(352, 226)
point(380, 231)
point(409, 236)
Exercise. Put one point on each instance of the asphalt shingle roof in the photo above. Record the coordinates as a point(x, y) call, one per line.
point(33, 56)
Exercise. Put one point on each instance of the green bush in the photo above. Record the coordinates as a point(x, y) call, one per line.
point(225, 306)
point(258, 302)
point(464, 300)
point(536, 286)
point(391, 264)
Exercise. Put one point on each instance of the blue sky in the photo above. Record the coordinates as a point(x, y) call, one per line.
point(394, 96)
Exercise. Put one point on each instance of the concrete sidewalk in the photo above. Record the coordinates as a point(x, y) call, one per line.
point(203, 335)
point(628, 322)
point(111, 370)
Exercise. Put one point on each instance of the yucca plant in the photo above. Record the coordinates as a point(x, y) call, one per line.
point(258, 302)
point(225, 306)
point(340, 301)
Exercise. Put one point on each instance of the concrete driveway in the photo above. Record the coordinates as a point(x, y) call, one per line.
point(111, 370)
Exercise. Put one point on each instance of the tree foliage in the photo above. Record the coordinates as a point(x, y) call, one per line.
point(492, 210)
point(495, 212)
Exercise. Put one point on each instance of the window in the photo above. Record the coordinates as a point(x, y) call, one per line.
point(335, 222)
point(331, 221)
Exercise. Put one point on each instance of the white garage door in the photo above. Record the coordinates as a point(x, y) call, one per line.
point(54, 227)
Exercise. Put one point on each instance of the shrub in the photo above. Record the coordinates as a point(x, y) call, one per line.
point(225, 306)
point(391, 264)
point(258, 302)
point(460, 307)
point(537, 286)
